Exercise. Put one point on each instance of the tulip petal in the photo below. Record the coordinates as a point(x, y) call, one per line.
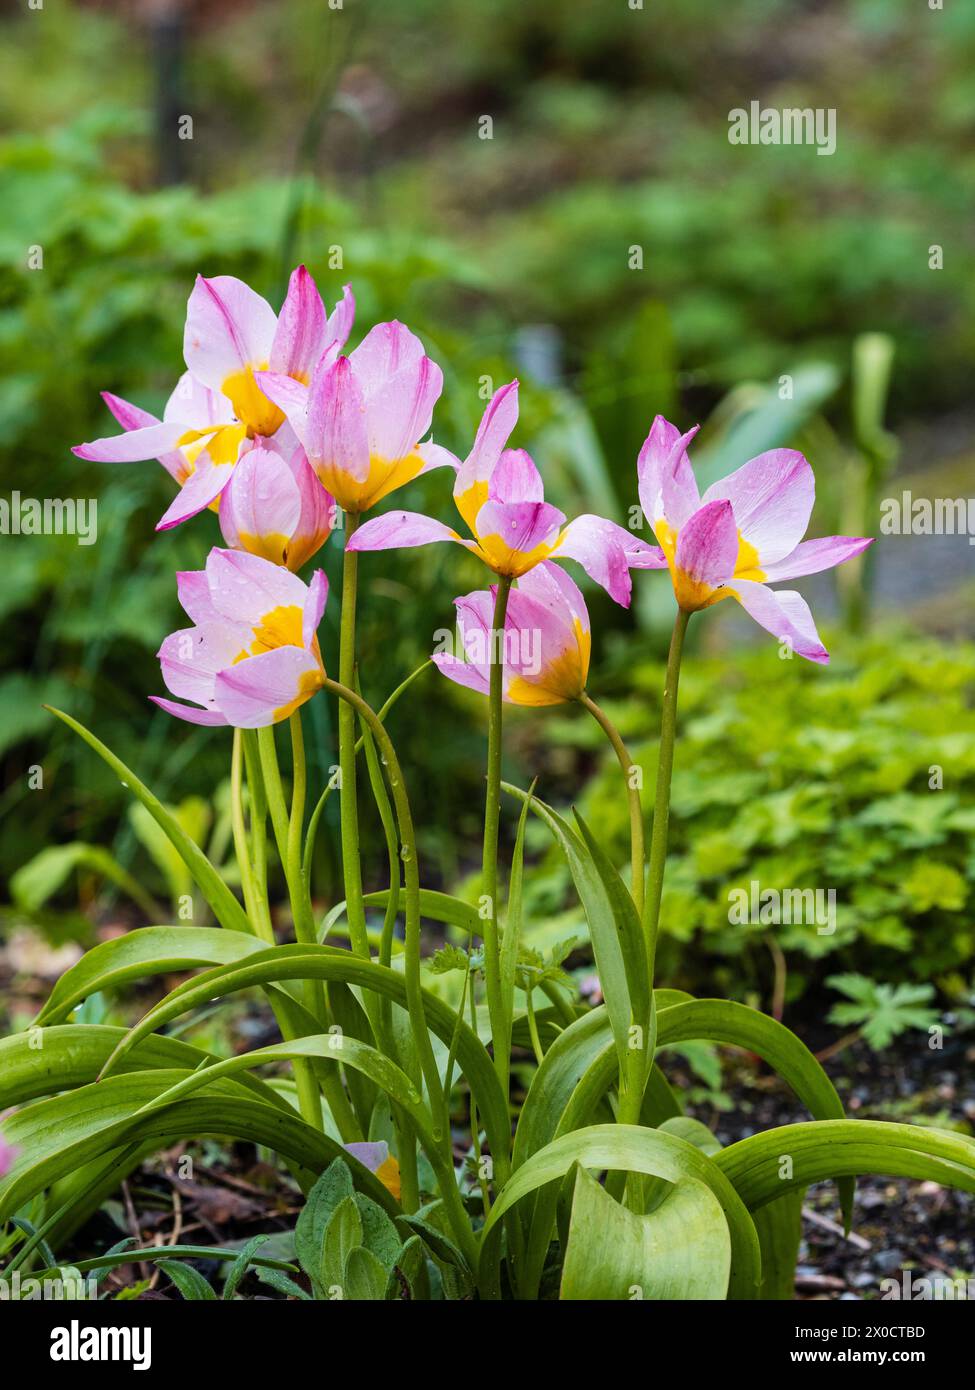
point(461, 672)
point(707, 545)
point(201, 488)
point(191, 658)
point(336, 440)
point(785, 615)
point(385, 351)
point(772, 496)
point(340, 320)
point(189, 712)
point(265, 689)
point(193, 592)
point(129, 416)
point(300, 337)
point(436, 456)
point(497, 423)
point(516, 479)
point(133, 417)
point(260, 507)
point(667, 486)
point(605, 551)
point(809, 557)
point(243, 588)
point(195, 406)
point(400, 531)
point(134, 445)
point(314, 606)
point(229, 327)
point(514, 536)
point(550, 585)
point(290, 396)
point(399, 409)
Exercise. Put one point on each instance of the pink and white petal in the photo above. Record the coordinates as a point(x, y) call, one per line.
point(133, 446)
point(262, 499)
point(191, 658)
point(202, 487)
point(516, 478)
point(642, 556)
point(461, 672)
point(549, 584)
point(314, 606)
point(190, 713)
point(497, 424)
point(436, 456)
point(340, 320)
point(520, 526)
point(399, 410)
point(300, 337)
point(785, 615)
point(475, 623)
point(667, 486)
point(707, 545)
point(193, 591)
point(133, 417)
point(336, 438)
point(537, 634)
point(129, 416)
point(386, 350)
point(229, 327)
point(317, 503)
point(401, 531)
point(288, 395)
point(196, 407)
point(809, 557)
point(243, 587)
point(603, 549)
point(773, 497)
point(257, 692)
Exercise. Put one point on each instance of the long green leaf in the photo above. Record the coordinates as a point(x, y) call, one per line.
point(148, 951)
point(767, 1165)
point(606, 933)
point(722, 1021)
point(297, 962)
point(58, 1135)
point(226, 908)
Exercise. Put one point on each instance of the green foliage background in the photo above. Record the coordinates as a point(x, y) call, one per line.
point(315, 129)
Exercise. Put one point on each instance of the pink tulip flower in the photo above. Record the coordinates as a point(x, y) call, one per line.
point(252, 656)
point(362, 417)
point(276, 508)
point(500, 494)
point(217, 409)
point(745, 531)
point(545, 647)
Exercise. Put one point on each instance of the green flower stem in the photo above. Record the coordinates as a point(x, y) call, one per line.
point(637, 849)
point(316, 815)
point(313, 998)
point(661, 807)
point(248, 879)
point(492, 812)
point(411, 885)
point(258, 819)
point(351, 867)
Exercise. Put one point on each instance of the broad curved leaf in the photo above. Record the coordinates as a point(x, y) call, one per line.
point(627, 1148)
point(681, 1250)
